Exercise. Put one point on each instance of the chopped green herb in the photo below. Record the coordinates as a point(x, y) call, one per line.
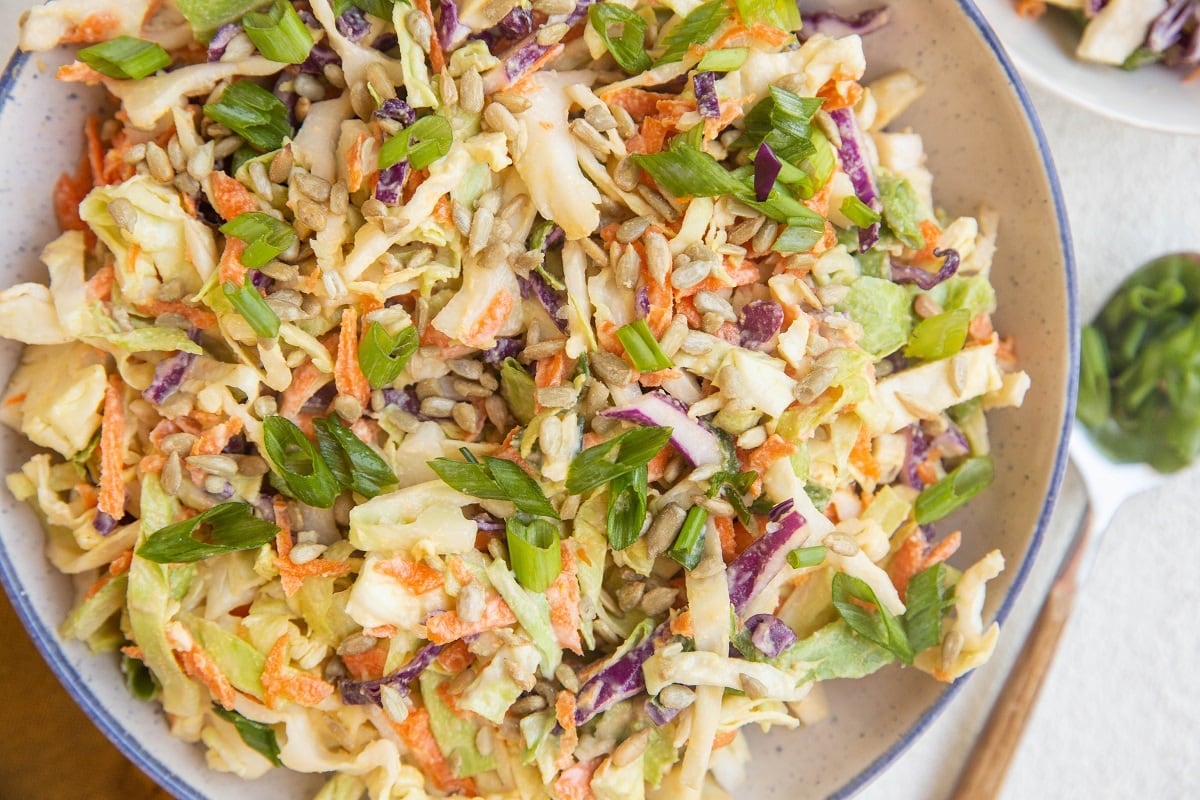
point(627, 507)
point(806, 556)
point(950, 493)
point(279, 33)
point(382, 356)
point(878, 625)
point(353, 463)
point(422, 143)
point(533, 552)
point(224, 528)
point(688, 548)
point(642, 347)
point(696, 28)
point(298, 464)
point(253, 113)
point(629, 48)
point(859, 212)
point(939, 336)
point(723, 60)
point(517, 388)
point(125, 58)
point(258, 735)
point(494, 479)
point(608, 460)
point(253, 308)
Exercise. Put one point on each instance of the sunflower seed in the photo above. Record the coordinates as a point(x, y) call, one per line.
point(630, 594)
point(395, 705)
point(311, 215)
point(308, 87)
point(925, 306)
point(513, 102)
point(764, 237)
point(718, 507)
point(466, 417)
point(123, 213)
point(260, 180)
point(481, 229)
point(546, 349)
point(215, 484)
point(556, 396)
point(466, 367)
point(632, 229)
point(264, 407)
point(159, 163)
point(600, 118)
point(253, 466)
point(135, 154)
point(752, 438)
point(470, 91)
point(214, 464)
point(712, 303)
point(348, 408)
point(664, 529)
point(440, 407)
point(499, 118)
point(582, 130)
point(627, 174)
point(554, 7)
point(176, 155)
point(631, 749)
point(594, 251)
point(227, 146)
point(674, 336)
point(611, 369)
point(952, 647)
point(626, 127)
point(497, 412)
point(200, 165)
point(172, 474)
point(526, 705)
point(178, 443)
point(304, 553)
point(754, 688)
point(339, 199)
point(449, 91)
point(333, 73)
point(523, 678)
point(658, 202)
point(691, 274)
point(418, 25)
point(629, 267)
point(315, 187)
point(552, 33)
point(676, 696)
point(841, 543)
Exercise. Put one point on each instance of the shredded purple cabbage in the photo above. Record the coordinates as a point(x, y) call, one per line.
point(619, 679)
point(505, 348)
point(362, 693)
point(769, 634)
point(914, 453)
point(404, 399)
point(261, 280)
point(907, 273)
point(238, 445)
point(761, 320)
point(535, 286)
point(779, 510)
point(449, 32)
point(318, 58)
point(221, 39)
point(168, 376)
point(641, 301)
point(705, 86)
point(486, 522)
point(1167, 29)
point(353, 24)
point(264, 506)
point(658, 713)
point(838, 25)
point(320, 400)
point(385, 41)
point(288, 96)
point(516, 23)
point(391, 181)
point(522, 58)
point(951, 443)
point(767, 167)
point(758, 564)
point(104, 523)
point(694, 440)
point(397, 110)
point(854, 163)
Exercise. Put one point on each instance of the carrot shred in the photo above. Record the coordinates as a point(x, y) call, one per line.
point(437, 59)
point(412, 575)
point(69, 192)
point(906, 561)
point(95, 27)
point(520, 83)
point(417, 735)
point(367, 664)
point(112, 451)
point(575, 782)
point(551, 371)
point(657, 466)
point(728, 538)
point(455, 657)
point(229, 197)
point(279, 683)
point(134, 652)
point(231, 268)
point(448, 626)
point(217, 438)
point(774, 448)
point(943, 550)
point(564, 714)
point(199, 317)
point(482, 333)
point(862, 458)
point(563, 596)
point(1030, 9)
point(199, 665)
point(307, 379)
point(154, 462)
point(347, 373)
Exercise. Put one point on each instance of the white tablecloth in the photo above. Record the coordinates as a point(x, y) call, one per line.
point(1120, 713)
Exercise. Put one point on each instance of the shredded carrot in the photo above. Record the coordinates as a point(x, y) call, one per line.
point(575, 782)
point(69, 192)
point(724, 739)
point(862, 458)
point(95, 588)
point(483, 332)
point(134, 652)
point(229, 197)
point(199, 317)
point(1006, 351)
point(564, 714)
point(281, 683)
point(840, 94)
point(681, 623)
point(774, 448)
point(651, 136)
point(943, 550)
point(385, 631)
point(980, 328)
point(347, 373)
point(307, 379)
point(367, 664)
point(112, 451)
point(448, 626)
point(293, 575)
point(153, 462)
point(95, 149)
point(354, 170)
point(639, 103)
point(658, 465)
point(459, 570)
point(95, 27)
point(199, 665)
point(412, 575)
point(1030, 9)
point(728, 538)
point(563, 596)
point(551, 371)
point(99, 286)
point(437, 59)
point(906, 562)
point(230, 267)
point(417, 735)
point(217, 438)
point(78, 72)
point(455, 657)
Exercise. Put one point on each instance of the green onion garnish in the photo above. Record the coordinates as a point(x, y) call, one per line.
point(279, 33)
point(494, 479)
point(939, 336)
point(253, 308)
point(801, 235)
point(252, 113)
point(723, 60)
point(858, 212)
point(781, 114)
point(688, 547)
point(806, 556)
point(627, 508)
point(265, 237)
point(878, 625)
point(696, 28)
point(125, 58)
point(518, 389)
point(782, 14)
point(376, 8)
point(224, 528)
point(353, 463)
point(628, 49)
point(966, 480)
point(642, 347)
point(925, 603)
point(298, 464)
point(594, 467)
point(257, 735)
point(422, 143)
point(533, 552)
point(383, 356)
point(684, 170)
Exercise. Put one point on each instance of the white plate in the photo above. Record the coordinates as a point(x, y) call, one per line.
point(1044, 51)
point(984, 146)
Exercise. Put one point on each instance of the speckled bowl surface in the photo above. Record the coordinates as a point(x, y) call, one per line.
point(984, 147)
point(1044, 51)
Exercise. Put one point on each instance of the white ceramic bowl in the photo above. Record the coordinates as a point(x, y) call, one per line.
point(984, 147)
point(1044, 50)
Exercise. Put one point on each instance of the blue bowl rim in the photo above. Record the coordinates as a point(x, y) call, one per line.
point(47, 642)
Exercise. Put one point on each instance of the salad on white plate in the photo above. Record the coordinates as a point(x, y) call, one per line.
point(503, 400)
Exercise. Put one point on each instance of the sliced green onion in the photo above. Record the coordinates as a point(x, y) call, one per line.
point(265, 237)
point(353, 463)
point(642, 347)
point(806, 556)
point(138, 679)
point(723, 60)
point(688, 547)
point(800, 235)
point(252, 113)
point(494, 479)
point(253, 308)
point(925, 604)
point(224, 528)
point(684, 170)
point(966, 480)
point(279, 33)
point(628, 49)
point(422, 143)
point(627, 507)
point(782, 14)
point(518, 389)
point(1095, 391)
point(257, 735)
point(878, 625)
point(125, 58)
point(858, 212)
point(533, 552)
point(780, 112)
point(376, 8)
point(939, 336)
point(383, 356)
point(298, 464)
point(609, 460)
point(696, 28)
